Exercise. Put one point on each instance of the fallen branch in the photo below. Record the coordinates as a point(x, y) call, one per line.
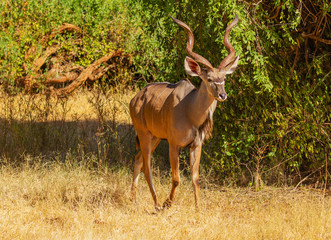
point(70, 76)
point(65, 27)
point(84, 75)
point(29, 81)
point(304, 35)
point(59, 73)
point(100, 72)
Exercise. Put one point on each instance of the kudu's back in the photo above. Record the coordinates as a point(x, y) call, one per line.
point(158, 108)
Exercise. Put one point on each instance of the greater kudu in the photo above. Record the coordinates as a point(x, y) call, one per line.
point(179, 113)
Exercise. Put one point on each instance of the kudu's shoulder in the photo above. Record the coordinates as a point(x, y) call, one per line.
point(155, 90)
point(182, 84)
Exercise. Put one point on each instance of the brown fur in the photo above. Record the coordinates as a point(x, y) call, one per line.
point(137, 143)
point(179, 113)
point(204, 132)
point(206, 128)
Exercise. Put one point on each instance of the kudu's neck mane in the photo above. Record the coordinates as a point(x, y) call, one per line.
point(201, 105)
point(201, 111)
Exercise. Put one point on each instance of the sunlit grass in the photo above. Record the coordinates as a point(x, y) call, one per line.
point(80, 106)
point(93, 122)
point(76, 201)
point(62, 177)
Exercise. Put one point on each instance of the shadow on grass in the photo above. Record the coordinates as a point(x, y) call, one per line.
point(110, 143)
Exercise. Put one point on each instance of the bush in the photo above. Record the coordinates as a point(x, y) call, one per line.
point(275, 126)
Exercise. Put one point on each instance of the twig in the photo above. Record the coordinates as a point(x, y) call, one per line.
point(326, 172)
point(256, 22)
point(277, 12)
point(319, 22)
point(308, 10)
point(326, 41)
point(313, 5)
point(280, 163)
point(296, 58)
point(252, 175)
point(305, 178)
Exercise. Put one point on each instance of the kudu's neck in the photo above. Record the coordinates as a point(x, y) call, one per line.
point(201, 106)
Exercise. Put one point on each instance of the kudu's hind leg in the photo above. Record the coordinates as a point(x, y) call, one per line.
point(146, 151)
point(144, 146)
point(138, 163)
point(174, 163)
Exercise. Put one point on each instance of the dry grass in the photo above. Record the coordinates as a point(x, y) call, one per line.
point(70, 194)
point(78, 107)
point(89, 122)
point(73, 201)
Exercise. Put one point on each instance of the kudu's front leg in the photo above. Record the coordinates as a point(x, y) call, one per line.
point(195, 154)
point(174, 163)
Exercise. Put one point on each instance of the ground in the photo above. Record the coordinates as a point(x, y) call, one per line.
point(74, 201)
point(75, 194)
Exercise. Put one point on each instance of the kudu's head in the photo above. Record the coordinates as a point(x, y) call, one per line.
point(214, 78)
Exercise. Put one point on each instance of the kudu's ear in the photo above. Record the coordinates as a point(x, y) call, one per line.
point(192, 68)
point(232, 66)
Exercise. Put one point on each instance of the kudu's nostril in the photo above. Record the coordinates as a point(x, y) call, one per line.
point(223, 96)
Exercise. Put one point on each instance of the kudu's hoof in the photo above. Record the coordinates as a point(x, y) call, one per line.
point(167, 203)
point(158, 207)
point(133, 198)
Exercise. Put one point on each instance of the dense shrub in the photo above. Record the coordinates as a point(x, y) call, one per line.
point(274, 127)
point(276, 124)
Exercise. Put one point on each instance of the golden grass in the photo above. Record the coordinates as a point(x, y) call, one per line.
point(64, 195)
point(74, 201)
point(89, 122)
point(80, 106)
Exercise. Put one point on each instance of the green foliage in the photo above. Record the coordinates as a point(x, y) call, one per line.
point(278, 111)
point(23, 33)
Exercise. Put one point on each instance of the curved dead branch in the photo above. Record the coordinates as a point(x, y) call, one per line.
point(70, 76)
point(304, 35)
point(61, 72)
point(30, 80)
point(277, 12)
point(65, 27)
point(84, 75)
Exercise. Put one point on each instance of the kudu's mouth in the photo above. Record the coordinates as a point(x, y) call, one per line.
point(221, 94)
point(222, 97)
